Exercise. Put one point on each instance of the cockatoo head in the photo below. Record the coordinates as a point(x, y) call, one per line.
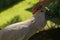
point(40, 6)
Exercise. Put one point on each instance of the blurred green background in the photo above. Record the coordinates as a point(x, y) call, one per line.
point(12, 11)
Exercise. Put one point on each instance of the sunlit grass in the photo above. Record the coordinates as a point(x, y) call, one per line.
point(18, 9)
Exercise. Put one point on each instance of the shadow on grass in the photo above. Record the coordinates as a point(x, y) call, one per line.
point(5, 4)
point(29, 9)
point(51, 34)
point(12, 21)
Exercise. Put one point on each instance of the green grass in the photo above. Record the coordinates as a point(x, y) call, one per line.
point(18, 9)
